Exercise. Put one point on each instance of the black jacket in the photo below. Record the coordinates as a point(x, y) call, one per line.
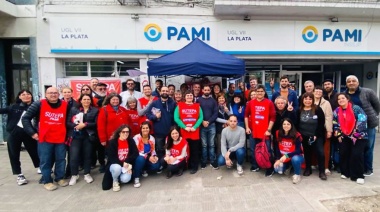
point(114, 159)
point(34, 112)
point(14, 114)
point(90, 117)
point(280, 116)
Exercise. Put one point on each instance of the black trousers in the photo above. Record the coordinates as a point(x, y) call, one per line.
point(316, 148)
point(195, 156)
point(15, 140)
point(80, 149)
point(98, 153)
point(176, 167)
point(352, 158)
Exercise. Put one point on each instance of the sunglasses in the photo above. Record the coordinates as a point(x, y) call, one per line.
point(102, 89)
point(85, 89)
point(125, 132)
point(130, 83)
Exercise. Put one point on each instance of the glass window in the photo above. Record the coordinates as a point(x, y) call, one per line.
point(74, 69)
point(20, 54)
point(124, 66)
point(102, 68)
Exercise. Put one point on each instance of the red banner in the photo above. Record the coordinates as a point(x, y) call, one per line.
point(112, 86)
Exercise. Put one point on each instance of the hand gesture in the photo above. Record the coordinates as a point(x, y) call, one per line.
point(271, 82)
point(240, 109)
point(225, 108)
point(290, 106)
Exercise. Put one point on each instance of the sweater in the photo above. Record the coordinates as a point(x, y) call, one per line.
point(370, 104)
point(320, 129)
point(360, 129)
point(326, 107)
point(209, 108)
point(232, 140)
point(109, 120)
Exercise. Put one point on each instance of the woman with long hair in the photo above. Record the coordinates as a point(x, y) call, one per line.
point(176, 153)
point(289, 149)
point(350, 126)
point(122, 153)
point(67, 94)
point(111, 116)
point(216, 90)
point(147, 159)
point(311, 125)
point(81, 127)
point(17, 135)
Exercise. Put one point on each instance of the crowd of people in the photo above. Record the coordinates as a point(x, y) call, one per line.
point(133, 134)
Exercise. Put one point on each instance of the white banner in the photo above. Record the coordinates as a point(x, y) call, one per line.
point(144, 36)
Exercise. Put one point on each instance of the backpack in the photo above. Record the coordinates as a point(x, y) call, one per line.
point(262, 155)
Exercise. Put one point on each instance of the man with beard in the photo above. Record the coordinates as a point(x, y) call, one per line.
point(144, 102)
point(230, 94)
point(130, 92)
point(161, 113)
point(252, 84)
point(100, 94)
point(286, 92)
point(329, 94)
point(159, 83)
point(366, 99)
point(209, 108)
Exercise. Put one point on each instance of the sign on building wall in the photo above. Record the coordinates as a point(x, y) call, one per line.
point(124, 35)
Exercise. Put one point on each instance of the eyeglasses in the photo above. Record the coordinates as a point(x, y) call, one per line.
point(125, 132)
point(102, 89)
point(52, 93)
point(85, 89)
point(130, 83)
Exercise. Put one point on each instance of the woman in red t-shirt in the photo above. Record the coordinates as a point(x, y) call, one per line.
point(122, 153)
point(134, 118)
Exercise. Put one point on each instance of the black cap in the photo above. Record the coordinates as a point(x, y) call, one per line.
point(101, 84)
point(328, 80)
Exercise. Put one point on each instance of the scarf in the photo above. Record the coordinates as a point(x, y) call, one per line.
point(347, 124)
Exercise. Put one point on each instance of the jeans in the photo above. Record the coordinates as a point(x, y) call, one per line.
point(368, 156)
point(80, 149)
point(239, 154)
point(142, 163)
point(208, 143)
point(116, 173)
point(252, 146)
point(49, 152)
point(296, 161)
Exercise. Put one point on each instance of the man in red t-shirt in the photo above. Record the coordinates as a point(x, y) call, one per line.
point(143, 104)
point(262, 113)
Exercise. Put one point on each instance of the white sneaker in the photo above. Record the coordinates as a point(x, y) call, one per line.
point(137, 183)
point(73, 180)
point(145, 174)
point(343, 176)
point(21, 180)
point(327, 172)
point(88, 178)
point(296, 179)
point(239, 169)
point(116, 186)
point(360, 181)
point(39, 170)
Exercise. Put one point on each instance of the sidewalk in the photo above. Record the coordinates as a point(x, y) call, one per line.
point(200, 192)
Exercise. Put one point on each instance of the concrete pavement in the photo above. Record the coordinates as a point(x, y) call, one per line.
point(200, 192)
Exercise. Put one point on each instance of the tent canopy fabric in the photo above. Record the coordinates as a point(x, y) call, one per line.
point(197, 58)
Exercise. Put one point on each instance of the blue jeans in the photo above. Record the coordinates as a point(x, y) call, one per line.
point(368, 155)
point(142, 163)
point(116, 173)
point(47, 153)
point(208, 142)
point(296, 161)
point(239, 154)
point(252, 146)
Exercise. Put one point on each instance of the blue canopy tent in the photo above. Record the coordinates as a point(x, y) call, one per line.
point(197, 58)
